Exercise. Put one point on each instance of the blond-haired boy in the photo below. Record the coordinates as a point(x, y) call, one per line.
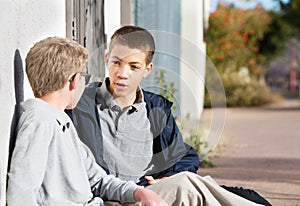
point(50, 165)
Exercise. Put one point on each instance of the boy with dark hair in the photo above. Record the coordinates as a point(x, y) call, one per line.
point(132, 132)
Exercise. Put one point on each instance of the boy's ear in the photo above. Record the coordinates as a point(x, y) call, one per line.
point(106, 58)
point(148, 70)
point(73, 79)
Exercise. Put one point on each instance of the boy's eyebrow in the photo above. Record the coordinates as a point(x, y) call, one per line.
point(119, 59)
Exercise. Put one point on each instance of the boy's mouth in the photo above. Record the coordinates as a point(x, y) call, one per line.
point(121, 86)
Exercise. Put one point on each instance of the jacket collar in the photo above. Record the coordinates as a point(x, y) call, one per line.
point(152, 100)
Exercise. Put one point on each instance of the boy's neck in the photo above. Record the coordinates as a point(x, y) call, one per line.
point(56, 99)
point(125, 102)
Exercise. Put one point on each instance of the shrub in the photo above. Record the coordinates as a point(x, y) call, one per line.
point(240, 93)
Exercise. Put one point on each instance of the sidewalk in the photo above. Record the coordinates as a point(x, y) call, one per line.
point(261, 151)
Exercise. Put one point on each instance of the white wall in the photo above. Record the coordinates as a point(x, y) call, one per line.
point(192, 68)
point(23, 22)
point(112, 20)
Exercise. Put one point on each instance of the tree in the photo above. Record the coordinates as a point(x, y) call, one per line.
point(284, 25)
point(234, 44)
point(276, 36)
point(291, 13)
point(233, 36)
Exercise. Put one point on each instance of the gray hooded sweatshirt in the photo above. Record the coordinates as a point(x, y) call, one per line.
point(51, 166)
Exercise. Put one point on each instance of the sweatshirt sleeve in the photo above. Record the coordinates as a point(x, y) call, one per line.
point(106, 186)
point(28, 164)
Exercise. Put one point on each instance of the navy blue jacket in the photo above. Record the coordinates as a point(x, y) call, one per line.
point(171, 154)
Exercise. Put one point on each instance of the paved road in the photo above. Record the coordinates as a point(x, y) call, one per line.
point(261, 151)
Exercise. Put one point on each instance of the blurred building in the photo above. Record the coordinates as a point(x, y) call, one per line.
point(178, 26)
point(283, 73)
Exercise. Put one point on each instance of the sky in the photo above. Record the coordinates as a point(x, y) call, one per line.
point(247, 4)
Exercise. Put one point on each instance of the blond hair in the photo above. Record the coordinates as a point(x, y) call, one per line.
point(50, 62)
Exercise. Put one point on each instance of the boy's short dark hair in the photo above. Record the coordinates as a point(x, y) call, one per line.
point(136, 38)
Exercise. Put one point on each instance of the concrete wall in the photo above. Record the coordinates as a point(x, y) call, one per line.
point(112, 13)
point(23, 22)
point(194, 18)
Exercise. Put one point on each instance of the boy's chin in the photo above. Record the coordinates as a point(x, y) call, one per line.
point(71, 106)
point(73, 103)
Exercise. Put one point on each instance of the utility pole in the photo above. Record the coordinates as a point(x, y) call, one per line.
point(293, 66)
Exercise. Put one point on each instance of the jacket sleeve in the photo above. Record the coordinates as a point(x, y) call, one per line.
point(189, 160)
point(170, 151)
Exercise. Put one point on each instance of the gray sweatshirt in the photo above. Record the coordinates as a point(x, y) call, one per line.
point(51, 166)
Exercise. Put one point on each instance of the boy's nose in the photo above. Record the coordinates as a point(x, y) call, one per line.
point(123, 71)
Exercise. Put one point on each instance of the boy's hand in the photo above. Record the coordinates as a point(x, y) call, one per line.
point(152, 181)
point(148, 197)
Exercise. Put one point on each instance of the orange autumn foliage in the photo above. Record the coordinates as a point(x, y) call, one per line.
point(233, 35)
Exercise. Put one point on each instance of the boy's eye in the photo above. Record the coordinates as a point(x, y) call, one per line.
point(134, 67)
point(116, 62)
